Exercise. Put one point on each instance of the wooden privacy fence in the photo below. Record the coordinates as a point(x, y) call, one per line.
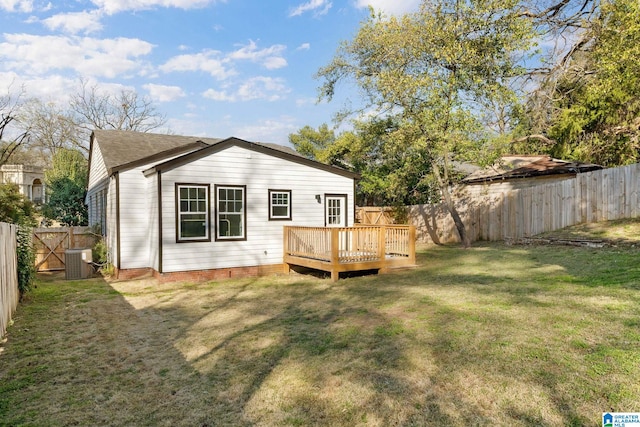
point(9, 293)
point(350, 248)
point(51, 243)
point(589, 197)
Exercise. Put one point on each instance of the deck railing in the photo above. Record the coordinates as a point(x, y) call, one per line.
point(350, 248)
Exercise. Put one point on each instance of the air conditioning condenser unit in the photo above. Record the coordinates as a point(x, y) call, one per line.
point(78, 264)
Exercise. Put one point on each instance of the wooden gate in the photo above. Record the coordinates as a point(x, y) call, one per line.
point(51, 243)
point(371, 215)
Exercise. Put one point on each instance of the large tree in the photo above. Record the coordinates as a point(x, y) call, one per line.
point(66, 183)
point(94, 108)
point(51, 128)
point(598, 102)
point(310, 142)
point(11, 139)
point(433, 71)
point(388, 176)
point(583, 104)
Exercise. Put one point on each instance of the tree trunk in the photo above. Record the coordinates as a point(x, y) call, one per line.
point(451, 207)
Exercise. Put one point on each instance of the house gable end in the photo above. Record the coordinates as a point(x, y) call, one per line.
point(260, 148)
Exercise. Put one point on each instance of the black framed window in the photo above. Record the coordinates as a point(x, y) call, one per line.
point(231, 213)
point(192, 212)
point(279, 204)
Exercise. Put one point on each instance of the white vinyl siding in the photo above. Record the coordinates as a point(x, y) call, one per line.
point(236, 166)
point(136, 196)
point(111, 222)
point(98, 172)
point(134, 218)
point(153, 223)
point(97, 188)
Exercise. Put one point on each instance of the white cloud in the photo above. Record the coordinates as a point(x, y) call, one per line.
point(114, 6)
point(54, 88)
point(270, 130)
point(25, 6)
point(390, 7)
point(319, 7)
point(265, 88)
point(269, 88)
point(39, 55)
point(303, 102)
point(221, 66)
point(163, 93)
point(218, 95)
point(274, 62)
point(76, 22)
point(50, 87)
point(304, 46)
point(270, 57)
point(210, 61)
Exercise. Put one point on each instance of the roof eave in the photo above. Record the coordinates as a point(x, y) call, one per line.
point(185, 149)
point(233, 141)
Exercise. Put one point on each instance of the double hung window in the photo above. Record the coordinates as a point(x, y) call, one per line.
point(231, 213)
point(279, 204)
point(192, 212)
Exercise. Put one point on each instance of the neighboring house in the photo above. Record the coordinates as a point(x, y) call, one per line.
point(189, 207)
point(516, 172)
point(30, 180)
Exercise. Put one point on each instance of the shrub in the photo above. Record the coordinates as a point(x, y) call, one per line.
point(100, 255)
point(26, 259)
point(16, 209)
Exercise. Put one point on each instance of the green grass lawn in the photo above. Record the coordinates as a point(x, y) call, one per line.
point(493, 335)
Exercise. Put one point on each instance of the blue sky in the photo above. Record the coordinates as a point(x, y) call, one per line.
point(214, 68)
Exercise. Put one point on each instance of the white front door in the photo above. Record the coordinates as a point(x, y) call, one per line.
point(335, 211)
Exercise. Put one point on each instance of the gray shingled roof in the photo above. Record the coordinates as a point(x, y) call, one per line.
point(121, 148)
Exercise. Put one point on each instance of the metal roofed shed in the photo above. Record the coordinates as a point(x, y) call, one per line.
point(516, 172)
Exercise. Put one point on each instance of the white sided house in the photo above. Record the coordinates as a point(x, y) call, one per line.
point(201, 208)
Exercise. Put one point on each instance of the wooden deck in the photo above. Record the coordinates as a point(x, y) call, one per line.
point(350, 248)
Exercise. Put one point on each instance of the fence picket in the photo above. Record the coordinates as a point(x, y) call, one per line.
point(589, 197)
point(9, 293)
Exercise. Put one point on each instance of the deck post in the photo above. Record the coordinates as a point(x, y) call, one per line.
point(285, 249)
point(335, 254)
point(382, 242)
point(412, 245)
point(382, 247)
point(285, 242)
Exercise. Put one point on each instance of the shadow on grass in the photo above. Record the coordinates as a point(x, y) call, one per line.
point(476, 337)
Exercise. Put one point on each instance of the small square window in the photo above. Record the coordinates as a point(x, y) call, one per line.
point(279, 204)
